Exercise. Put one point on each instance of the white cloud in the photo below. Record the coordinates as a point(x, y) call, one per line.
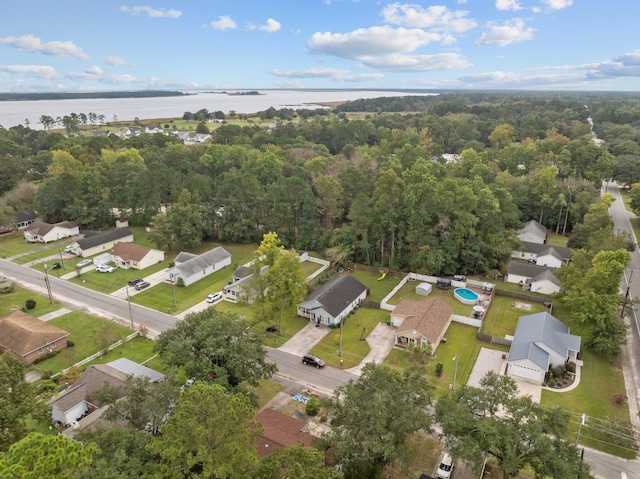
point(32, 43)
point(558, 4)
point(508, 5)
point(625, 65)
point(39, 71)
point(116, 61)
point(271, 26)
point(152, 12)
point(510, 32)
point(310, 73)
point(417, 63)
point(536, 9)
point(335, 74)
point(94, 70)
point(224, 22)
point(373, 41)
point(435, 17)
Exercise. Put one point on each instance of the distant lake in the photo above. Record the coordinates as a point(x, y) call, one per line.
point(13, 113)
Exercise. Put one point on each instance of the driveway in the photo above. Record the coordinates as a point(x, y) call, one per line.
point(155, 278)
point(305, 339)
point(380, 340)
point(491, 360)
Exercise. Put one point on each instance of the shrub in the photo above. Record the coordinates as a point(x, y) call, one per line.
point(30, 303)
point(570, 367)
point(180, 282)
point(46, 356)
point(8, 289)
point(70, 343)
point(313, 406)
point(619, 399)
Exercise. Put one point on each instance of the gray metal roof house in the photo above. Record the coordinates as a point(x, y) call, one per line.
point(191, 268)
point(541, 341)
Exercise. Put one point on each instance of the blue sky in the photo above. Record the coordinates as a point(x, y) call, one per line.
point(81, 45)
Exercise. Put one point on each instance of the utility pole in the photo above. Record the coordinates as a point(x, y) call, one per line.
point(173, 291)
point(130, 310)
point(582, 421)
point(46, 282)
point(455, 373)
point(626, 295)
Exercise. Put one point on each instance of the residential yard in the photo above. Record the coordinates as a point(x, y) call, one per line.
point(357, 325)
point(15, 302)
point(556, 239)
point(265, 391)
point(89, 335)
point(378, 289)
point(14, 243)
point(408, 292)
point(461, 342)
point(502, 317)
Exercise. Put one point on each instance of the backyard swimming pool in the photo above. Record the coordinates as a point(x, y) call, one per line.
point(465, 296)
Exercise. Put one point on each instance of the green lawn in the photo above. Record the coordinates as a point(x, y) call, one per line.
point(139, 350)
point(502, 316)
point(88, 334)
point(309, 267)
point(15, 302)
point(556, 240)
point(357, 325)
point(408, 292)
point(461, 342)
point(377, 289)
point(14, 243)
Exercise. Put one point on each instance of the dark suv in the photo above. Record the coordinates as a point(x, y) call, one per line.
point(313, 360)
point(133, 282)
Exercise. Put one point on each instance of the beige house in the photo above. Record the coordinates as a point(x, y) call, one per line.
point(95, 242)
point(30, 338)
point(133, 256)
point(40, 232)
point(421, 322)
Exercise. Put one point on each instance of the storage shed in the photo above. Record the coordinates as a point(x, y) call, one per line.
point(423, 289)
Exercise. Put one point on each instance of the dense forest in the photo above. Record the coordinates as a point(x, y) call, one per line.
point(435, 184)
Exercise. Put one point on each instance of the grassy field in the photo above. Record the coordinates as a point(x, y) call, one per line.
point(15, 302)
point(377, 289)
point(89, 334)
point(357, 325)
point(502, 316)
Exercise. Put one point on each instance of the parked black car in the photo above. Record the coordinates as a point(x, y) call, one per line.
point(313, 360)
point(133, 282)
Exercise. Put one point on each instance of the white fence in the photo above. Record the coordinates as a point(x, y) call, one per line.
point(99, 353)
point(325, 266)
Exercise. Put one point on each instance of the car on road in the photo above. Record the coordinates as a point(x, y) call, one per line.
point(445, 467)
point(84, 262)
point(142, 285)
point(313, 360)
point(135, 281)
point(213, 297)
point(105, 268)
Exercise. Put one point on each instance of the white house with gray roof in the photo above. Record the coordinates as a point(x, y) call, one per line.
point(533, 232)
point(192, 268)
point(334, 300)
point(537, 279)
point(542, 254)
point(541, 342)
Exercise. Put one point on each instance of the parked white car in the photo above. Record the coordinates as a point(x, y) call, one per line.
point(445, 467)
point(84, 262)
point(105, 268)
point(213, 297)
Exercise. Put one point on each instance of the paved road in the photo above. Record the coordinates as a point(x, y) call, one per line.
point(631, 280)
point(82, 298)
